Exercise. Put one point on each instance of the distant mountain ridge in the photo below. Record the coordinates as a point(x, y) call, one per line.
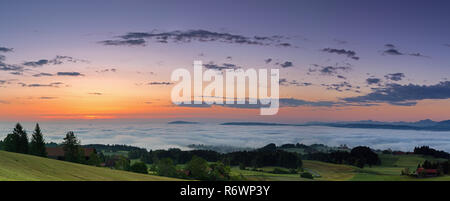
point(182, 122)
point(426, 124)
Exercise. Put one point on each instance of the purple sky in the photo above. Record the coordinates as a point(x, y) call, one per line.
point(343, 52)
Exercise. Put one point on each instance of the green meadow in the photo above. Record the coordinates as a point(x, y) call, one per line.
point(21, 167)
point(389, 170)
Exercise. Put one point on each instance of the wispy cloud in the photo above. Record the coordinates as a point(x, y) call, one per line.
point(75, 74)
point(340, 87)
point(287, 64)
point(43, 75)
point(130, 42)
point(53, 84)
point(349, 53)
point(397, 94)
point(328, 70)
point(395, 76)
point(10, 67)
point(393, 50)
point(285, 82)
point(96, 93)
point(47, 98)
point(107, 70)
point(199, 35)
point(5, 49)
point(371, 81)
point(55, 61)
point(224, 66)
point(159, 83)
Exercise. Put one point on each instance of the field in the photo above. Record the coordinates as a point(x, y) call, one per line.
point(389, 170)
point(322, 172)
point(14, 166)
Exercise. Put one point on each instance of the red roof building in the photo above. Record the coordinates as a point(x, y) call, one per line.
point(58, 152)
point(427, 172)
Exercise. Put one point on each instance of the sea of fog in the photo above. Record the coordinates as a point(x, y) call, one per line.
point(152, 135)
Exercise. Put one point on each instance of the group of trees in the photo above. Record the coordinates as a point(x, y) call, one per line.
point(443, 167)
point(358, 156)
point(257, 158)
point(211, 165)
point(123, 163)
point(197, 168)
point(17, 141)
point(425, 150)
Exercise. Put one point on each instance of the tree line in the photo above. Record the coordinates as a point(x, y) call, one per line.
point(426, 150)
point(443, 167)
point(359, 156)
point(17, 141)
point(256, 158)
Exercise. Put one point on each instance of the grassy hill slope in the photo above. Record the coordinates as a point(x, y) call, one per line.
point(14, 166)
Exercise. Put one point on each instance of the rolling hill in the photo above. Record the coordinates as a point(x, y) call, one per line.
point(20, 167)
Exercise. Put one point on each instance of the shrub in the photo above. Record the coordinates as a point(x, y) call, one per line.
point(165, 167)
point(139, 167)
point(280, 171)
point(306, 175)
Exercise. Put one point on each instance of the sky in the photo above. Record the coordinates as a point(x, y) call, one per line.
point(338, 60)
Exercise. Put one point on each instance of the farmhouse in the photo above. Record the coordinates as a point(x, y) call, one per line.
point(58, 152)
point(427, 172)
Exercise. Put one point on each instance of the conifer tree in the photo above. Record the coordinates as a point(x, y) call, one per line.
point(37, 144)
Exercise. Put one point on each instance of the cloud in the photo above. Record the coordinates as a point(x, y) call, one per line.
point(5, 49)
point(396, 94)
point(268, 60)
point(340, 42)
point(159, 83)
point(2, 82)
point(392, 52)
point(287, 64)
point(284, 45)
point(2, 58)
point(69, 74)
point(107, 70)
point(448, 45)
point(329, 70)
point(16, 73)
point(284, 102)
point(10, 67)
point(292, 102)
point(224, 66)
point(131, 42)
point(417, 55)
point(139, 38)
point(395, 76)
point(390, 46)
point(285, 82)
point(371, 81)
point(53, 84)
point(55, 61)
point(96, 93)
point(47, 98)
point(340, 87)
point(43, 75)
point(349, 53)
point(36, 63)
